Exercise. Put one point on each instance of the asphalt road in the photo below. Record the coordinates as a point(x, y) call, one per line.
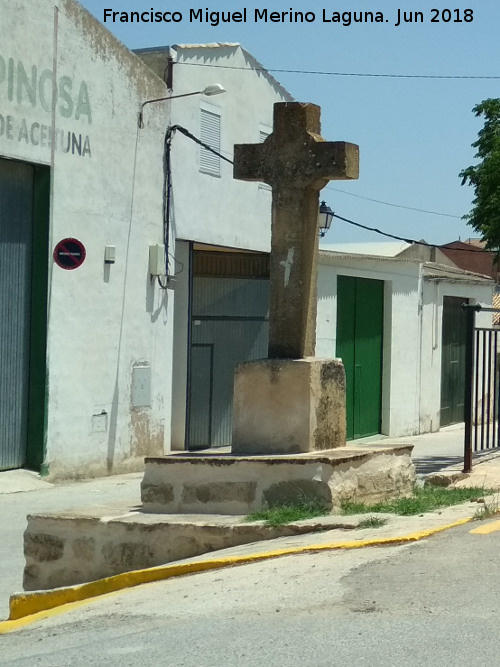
point(435, 602)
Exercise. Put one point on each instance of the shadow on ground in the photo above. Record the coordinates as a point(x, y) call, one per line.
point(430, 464)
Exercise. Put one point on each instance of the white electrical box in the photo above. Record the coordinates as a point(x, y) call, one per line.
point(157, 260)
point(141, 386)
point(109, 254)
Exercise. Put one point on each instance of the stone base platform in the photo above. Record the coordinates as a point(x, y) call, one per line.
point(72, 548)
point(288, 406)
point(228, 484)
point(179, 494)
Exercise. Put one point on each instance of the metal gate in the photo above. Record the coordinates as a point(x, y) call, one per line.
point(482, 389)
point(452, 362)
point(229, 324)
point(16, 215)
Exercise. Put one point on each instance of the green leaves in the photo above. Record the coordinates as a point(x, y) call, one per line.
point(484, 177)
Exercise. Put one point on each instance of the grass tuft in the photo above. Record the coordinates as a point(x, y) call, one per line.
point(424, 499)
point(298, 511)
point(372, 522)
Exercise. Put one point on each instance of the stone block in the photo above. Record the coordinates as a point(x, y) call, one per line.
point(289, 406)
point(125, 556)
point(297, 491)
point(84, 548)
point(219, 491)
point(157, 493)
point(42, 547)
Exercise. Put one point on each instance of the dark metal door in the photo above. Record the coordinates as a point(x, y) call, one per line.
point(453, 361)
point(229, 324)
point(16, 215)
point(360, 308)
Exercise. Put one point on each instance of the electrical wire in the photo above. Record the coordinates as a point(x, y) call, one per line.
point(410, 240)
point(377, 201)
point(386, 203)
point(346, 74)
point(178, 128)
point(187, 133)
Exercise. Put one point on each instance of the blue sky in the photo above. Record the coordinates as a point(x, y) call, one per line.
point(414, 135)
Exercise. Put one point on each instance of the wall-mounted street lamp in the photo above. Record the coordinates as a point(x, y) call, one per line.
point(325, 217)
point(213, 89)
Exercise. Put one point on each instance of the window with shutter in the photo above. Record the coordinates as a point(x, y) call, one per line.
point(210, 135)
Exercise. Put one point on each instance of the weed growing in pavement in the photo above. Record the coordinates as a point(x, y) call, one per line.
point(424, 499)
point(489, 507)
point(287, 513)
point(372, 522)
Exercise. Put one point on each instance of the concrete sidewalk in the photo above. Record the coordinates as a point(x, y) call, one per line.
point(431, 451)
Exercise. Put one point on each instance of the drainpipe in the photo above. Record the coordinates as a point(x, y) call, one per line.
point(420, 306)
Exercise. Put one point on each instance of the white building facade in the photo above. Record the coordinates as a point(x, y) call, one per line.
point(408, 337)
point(83, 358)
point(87, 327)
point(134, 270)
point(222, 232)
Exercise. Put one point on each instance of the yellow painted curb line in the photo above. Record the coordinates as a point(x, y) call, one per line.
point(487, 528)
point(26, 608)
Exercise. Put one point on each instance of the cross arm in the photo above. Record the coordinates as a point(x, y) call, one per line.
point(249, 161)
point(335, 160)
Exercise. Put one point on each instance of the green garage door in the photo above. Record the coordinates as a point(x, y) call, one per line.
point(24, 210)
point(360, 308)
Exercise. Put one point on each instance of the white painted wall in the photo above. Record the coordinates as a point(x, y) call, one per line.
point(102, 320)
point(411, 376)
point(209, 209)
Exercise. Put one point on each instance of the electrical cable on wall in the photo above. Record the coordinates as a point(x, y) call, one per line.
point(168, 192)
point(167, 185)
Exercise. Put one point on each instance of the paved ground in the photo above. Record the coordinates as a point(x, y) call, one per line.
point(22, 493)
point(430, 603)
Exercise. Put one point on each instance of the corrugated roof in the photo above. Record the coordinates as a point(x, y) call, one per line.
point(442, 272)
point(376, 249)
point(430, 270)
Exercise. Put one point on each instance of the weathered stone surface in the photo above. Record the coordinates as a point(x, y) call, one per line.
point(65, 577)
point(445, 478)
point(31, 577)
point(218, 491)
point(364, 475)
point(157, 493)
point(288, 406)
point(138, 539)
point(127, 555)
point(284, 493)
point(84, 548)
point(296, 162)
point(330, 411)
point(43, 547)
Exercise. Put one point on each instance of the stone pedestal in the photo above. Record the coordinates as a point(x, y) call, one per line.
point(288, 406)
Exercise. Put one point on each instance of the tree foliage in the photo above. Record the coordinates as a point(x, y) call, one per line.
point(485, 175)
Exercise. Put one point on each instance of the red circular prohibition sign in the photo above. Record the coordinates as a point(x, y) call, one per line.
point(69, 254)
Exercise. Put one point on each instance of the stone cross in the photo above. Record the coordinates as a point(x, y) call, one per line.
point(297, 163)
